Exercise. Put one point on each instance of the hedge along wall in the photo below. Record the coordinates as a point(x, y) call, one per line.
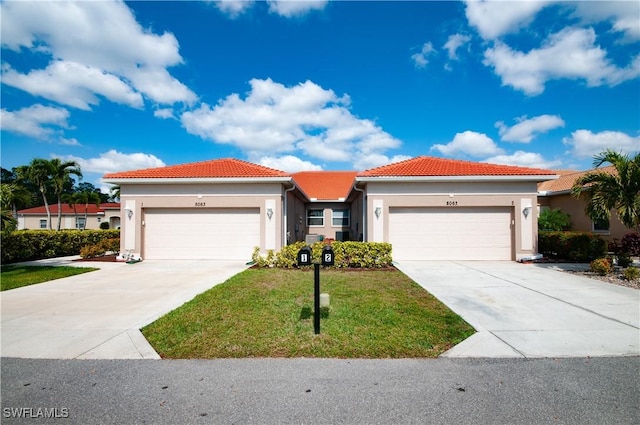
point(27, 245)
point(571, 246)
point(347, 255)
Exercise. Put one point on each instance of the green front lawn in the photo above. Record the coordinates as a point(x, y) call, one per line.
point(12, 277)
point(269, 313)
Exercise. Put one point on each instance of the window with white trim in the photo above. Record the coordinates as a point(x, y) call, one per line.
point(315, 217)
point(601, 226)
point(80, 223)
point(43, 224)
point(340, 217)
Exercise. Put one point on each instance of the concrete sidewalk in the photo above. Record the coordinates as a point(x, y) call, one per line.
point(525, 310)
point(98, 315)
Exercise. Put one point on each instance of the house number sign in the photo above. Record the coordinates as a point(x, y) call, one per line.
point(452, 203)
point(201, 204)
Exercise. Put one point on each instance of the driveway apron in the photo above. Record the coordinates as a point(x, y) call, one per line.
point(98, 315)
point(529, 310)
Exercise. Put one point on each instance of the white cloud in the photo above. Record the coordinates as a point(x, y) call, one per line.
point(422, 59)
point(274, 119)
point(114, 161)
point(234, 8)
point(366, 162)
point(623, 16)
point(102, 40)
point(69, 142)
point(293, 8)
point(164, 113)
point(570, 54)
point(34, 121)
point(73, 84)
point(494, 19)
point(288, 163)
point(523, 159)
point(469, 143)
point(528, 128)
point(454, 42)
point(586, 144)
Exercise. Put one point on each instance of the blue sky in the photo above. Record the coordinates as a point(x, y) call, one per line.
point(308, 85)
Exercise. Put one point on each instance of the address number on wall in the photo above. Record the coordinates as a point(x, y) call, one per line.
point(452, 203)
point(201, 204)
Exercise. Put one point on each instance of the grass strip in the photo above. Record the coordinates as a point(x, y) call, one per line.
point(16, 276)
point(269, 313)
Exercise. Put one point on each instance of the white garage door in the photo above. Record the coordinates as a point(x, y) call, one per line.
point(213, 234)
point(450, 233)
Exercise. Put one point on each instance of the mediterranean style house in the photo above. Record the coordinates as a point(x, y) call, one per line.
point(36, 218)
point(556, 194)
point(426, 207)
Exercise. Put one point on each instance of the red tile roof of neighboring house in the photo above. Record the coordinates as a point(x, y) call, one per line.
point(66, 209)
point(441, 167)
point(325, 185)
point(218, 168)
point(566, 181)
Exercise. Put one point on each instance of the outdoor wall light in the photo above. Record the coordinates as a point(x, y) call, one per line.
point(378, 211)
point(269, 213)
point(526, 211)
point(129, 212)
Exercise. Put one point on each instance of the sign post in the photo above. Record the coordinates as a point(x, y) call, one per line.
point(304, 259)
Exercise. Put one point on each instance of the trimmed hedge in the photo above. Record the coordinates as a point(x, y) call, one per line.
point(347, 255)
point(27, 245)
point(572, 246)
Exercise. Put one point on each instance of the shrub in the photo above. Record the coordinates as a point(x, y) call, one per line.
point(25, 245)
point(631, 273)
point(571, 246)
point(91, 251)
point(104, 225)
point(347, 254)
point(631, 243)
point(601, 266)
point(624, 259)
point(554, 220)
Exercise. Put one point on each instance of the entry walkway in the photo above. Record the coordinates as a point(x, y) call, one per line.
point(527, 310)
point(97, 315)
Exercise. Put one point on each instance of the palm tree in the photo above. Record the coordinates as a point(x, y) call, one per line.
point(114, 192)
point(61, 174)
point(39, 173)
point(619, 191)
point(72, 200)
point(8, 222)
point(87, 198)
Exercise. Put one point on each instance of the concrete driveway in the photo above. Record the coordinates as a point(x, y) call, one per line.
point(530, 310)
point(98, 315)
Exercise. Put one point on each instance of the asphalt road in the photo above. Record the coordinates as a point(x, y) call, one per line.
point(322, 391)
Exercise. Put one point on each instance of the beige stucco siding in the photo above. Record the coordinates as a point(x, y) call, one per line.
point(455, 195)
point(203, 197)
point(579, 220)
point(32, 222)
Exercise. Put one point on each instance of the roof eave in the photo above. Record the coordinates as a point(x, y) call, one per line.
point(196, 180)
point(421, 179)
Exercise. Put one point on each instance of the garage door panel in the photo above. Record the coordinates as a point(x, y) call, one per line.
point(450, 234)
point(225, 234)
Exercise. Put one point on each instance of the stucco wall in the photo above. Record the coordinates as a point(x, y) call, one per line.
point(579, 220)
point(140, 198)
point(515, 195)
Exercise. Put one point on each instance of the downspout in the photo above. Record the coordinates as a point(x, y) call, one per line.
point(285, 242)
point(364, 212)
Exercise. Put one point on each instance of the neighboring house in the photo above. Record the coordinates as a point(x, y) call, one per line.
point(36, 218)
point(556, 194)
point(428, 208)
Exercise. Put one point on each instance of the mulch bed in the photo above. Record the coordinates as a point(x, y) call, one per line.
point(102, 259)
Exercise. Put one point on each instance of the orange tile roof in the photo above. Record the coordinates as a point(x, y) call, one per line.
point(325, 185)
point(66, 209)
point(565, 182)
point(441, 167)
point(218, 168)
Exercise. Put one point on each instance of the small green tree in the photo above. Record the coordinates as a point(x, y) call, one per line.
point(619, 191)
point(554, 220)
